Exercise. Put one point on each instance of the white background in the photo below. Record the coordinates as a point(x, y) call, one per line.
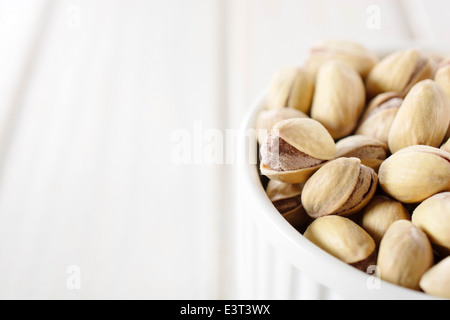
point(91, 93)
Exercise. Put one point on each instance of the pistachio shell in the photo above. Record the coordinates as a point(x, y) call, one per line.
point(446, 146)
point(339, 98)
point(380, 213)
point(379, 116)
point(268, 118)
point(442, 77)
point(277, 190)
point(405, 255)
point(423, 117)
point(291, 87)
point(370, 151)
point(415, 173)
point(436, 281)
point(351, 53)
point(433, 217)
point(342, 186)
point(344, 239)
point(398, 72)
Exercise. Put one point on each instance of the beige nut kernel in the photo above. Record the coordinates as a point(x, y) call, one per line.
point(351, 53)
point(379, 116)
point(370, 151)
point(415, 173)
point(436, 281)
point(339, 98)
point(342, 186)
point(343, 239)
point(268, 118)
point(405, 254)
point(446, 146)
point(295, 149)
point(380, 213)
point(398, 72)
point(423, 117)
point(291, 87)
point(433, 217)
point(286, 198)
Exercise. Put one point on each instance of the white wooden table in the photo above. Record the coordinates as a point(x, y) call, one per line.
point(94, 95)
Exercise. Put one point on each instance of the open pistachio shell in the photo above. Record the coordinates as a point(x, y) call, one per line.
point(405, 254)
point(339, 98)
point(379, 116)
point(415, 173)
point(433, 217)
point(398, 72)
point(351, 53)
point(344, 239)
point(436, 281)
point(268, 118)
point(342, 186)
point(423, 117)
point(291, 87)
point(370, 151)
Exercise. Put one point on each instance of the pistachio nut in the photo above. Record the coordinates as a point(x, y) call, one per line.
point(351, 53)
point(398, 72)
point(286, 198)
point(377, 120)
point(370, 151)
point(423, 117)
point(415, 173)
point(442, 77)
point(268, 118)
point(342, 186)
point(433, 217)
point(343, 239)
point(436, 281)
point(291, 87)
point(446, 146)
point(295, 149)
point(380, 213)
point(339, 98)
point(405, 254)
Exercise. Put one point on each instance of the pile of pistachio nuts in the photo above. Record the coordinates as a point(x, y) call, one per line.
point(355, 151)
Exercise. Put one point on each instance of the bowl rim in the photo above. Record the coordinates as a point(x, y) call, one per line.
point(345, 280)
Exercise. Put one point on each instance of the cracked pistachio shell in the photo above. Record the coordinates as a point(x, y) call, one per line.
point(446, 146)
point(405, 254)
point(309, 138)
point(380, 213)
point(343, 239)
point(423, 117)
point(291, 87)
point(370, 151)
point(398, 72)
point(339, 98)
point(442, 77)
point(436, 281)
point(415, 173)
point(268, 118)
point(286, 198)
point(351, 53)
point(433, 217)
point(379, 116)
point(342, 186)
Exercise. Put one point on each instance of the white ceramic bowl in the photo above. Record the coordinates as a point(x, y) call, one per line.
point(276, 261)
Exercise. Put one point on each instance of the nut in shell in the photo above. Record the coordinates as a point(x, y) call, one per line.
point(405, 254)
point(415, 173)
point(344, 239)
point(291, 87)
point(377, 120)
point(398, 72)
point(351, 53)
point(295, 149)
point(433, 217)
point(423, 117)
point(380, 213)
point(370, 151)
point(286, 198)
point(339, 98)
point(436, 281)
point(442, 77)
point(342, 187)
